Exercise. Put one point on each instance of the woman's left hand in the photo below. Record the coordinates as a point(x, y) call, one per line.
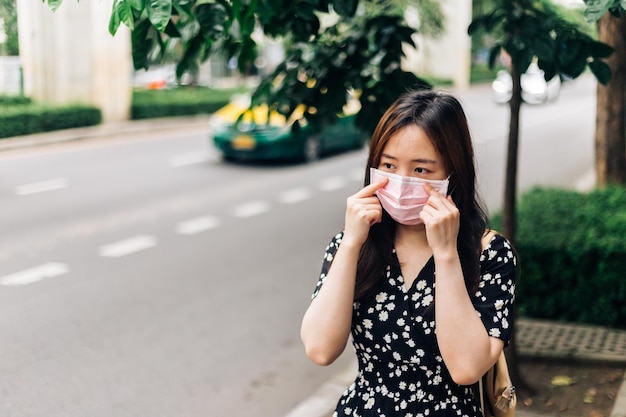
point(441, 218)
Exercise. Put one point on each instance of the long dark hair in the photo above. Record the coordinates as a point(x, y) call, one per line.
point(442, 118)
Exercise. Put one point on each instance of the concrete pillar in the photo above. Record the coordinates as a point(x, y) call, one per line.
point(68, 56)
point(448, 56)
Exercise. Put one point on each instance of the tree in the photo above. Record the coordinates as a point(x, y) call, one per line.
point(531, 30)
point(335, 48)
point(610, 135)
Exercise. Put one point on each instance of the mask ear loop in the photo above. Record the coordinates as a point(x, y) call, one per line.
point(450, 190)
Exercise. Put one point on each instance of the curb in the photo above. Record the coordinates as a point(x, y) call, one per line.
point(103, 130)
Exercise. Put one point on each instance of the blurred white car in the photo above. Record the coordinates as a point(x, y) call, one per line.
point(535, 89)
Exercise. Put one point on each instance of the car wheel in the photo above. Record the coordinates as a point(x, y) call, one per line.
point(312, 148)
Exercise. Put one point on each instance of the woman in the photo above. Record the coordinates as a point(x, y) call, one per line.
point(422, 339)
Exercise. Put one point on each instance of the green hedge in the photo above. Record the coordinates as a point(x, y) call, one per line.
point(27, 119)
point(572, 248)
point(184, 100)
point(14, 100)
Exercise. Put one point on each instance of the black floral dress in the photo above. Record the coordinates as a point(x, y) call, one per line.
point(401, 370)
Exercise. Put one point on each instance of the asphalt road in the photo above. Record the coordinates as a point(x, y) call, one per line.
point(142, 276)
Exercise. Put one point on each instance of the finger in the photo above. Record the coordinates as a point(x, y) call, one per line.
point(370, 189)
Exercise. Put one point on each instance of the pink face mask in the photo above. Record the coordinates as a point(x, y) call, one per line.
point(404, 197)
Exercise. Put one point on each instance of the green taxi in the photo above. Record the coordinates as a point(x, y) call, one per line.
point(259, 137)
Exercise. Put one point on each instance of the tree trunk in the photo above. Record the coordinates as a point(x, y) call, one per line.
point(610, 137)
point(510, 180)
point(509, 213)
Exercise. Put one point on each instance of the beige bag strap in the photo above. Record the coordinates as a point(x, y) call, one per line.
point(486, 239)
point(489, 234)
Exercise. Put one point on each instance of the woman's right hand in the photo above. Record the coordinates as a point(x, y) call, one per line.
point(363, 210)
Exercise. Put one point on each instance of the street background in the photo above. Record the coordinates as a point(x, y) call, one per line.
point(142, 276)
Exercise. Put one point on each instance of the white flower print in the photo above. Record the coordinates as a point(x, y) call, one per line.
point(399, 369)
point(427, 300)
point(494, 332)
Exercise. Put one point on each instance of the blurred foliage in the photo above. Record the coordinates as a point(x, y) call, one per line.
point(336, 49)
point(8, 100)
point(180, 101)
point(535, 29)
point(594, 9)
point(24, 119)
point(573, 255)
point(8, 14)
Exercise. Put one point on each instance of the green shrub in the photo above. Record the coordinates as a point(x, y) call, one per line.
point(28, 119)
point(572, 249)
point(179, 101)
point(14, 100)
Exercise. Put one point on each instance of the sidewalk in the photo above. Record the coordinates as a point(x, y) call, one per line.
point(115, 129)
point(535, 339)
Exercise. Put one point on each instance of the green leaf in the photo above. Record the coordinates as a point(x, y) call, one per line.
point(494, 53)
point(172, 31)
point(576, 66)
point(159, 13)
point(476, 24)
point(601, 71)
point(211, 18)
point(54, 4)
point(114, 20)
point(141, 44)
point(543, 48)
point(345, 7)
point(124, 13)
point(600, 49)
point(138, 5)
point(594, 9)
point(548, 68)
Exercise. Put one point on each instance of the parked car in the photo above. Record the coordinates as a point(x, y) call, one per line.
point(257, 137)
point(535, 89)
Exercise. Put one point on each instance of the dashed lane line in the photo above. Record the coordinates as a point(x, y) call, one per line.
point(41, 186)
point(183, 160)
point(128, 246)
point(197, 225)
point(295, 195)
point(32, 275)
point(251, 209)
point(189, 227)
point(332, 183)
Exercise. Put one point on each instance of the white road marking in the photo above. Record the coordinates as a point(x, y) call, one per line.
point(128, 246)
point(188, 159)
point(251, 209)
point(295, 195)
point(38, 273)
point(332, 184)
point(41, 186)
point(197, 225)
